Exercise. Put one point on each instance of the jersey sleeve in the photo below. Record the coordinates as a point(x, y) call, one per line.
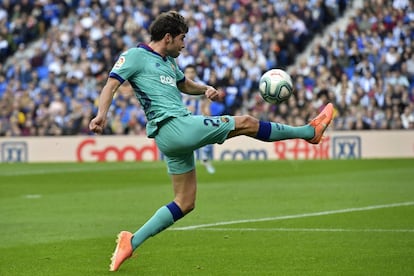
point(126, 66)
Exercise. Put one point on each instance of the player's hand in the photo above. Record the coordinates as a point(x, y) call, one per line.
point(97, 125)
point(214, 94)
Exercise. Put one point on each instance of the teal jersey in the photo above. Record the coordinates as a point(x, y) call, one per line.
point(154, 79)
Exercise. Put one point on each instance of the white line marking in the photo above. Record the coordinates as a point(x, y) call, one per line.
point(304, 230)
point(323, 213)
point(32, 196)
point(74, 169)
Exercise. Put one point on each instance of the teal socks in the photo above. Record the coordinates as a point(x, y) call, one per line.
point(270, 132)
point(162, 219)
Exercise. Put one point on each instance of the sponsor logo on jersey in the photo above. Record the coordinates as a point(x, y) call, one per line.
point(168, 80)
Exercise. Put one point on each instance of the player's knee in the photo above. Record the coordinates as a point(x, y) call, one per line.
point(248, 123)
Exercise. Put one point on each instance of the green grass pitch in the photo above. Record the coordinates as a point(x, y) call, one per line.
point(327, 217)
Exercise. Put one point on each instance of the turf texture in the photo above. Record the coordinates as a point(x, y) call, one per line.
point(325, 217)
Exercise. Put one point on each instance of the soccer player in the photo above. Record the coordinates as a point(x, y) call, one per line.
point(157, 81)
point(199, 105)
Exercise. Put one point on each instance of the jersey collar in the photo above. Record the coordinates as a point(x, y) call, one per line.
point(149, 49)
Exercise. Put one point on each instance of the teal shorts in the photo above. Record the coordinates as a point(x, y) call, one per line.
point(178, 138)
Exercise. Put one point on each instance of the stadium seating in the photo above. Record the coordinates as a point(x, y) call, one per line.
point(57, 53)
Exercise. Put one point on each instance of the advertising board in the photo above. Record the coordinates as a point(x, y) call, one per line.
point(336, 145)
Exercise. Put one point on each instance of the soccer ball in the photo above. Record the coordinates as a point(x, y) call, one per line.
point(276, 86)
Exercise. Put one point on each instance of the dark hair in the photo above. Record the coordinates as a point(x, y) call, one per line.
point(168, 22)
point(190, 66)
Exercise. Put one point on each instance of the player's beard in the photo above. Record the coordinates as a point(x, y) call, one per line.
point(174, 53)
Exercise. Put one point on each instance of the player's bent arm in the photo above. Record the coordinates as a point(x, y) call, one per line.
point(190, 87)
point(98, 123)
point(105, 99)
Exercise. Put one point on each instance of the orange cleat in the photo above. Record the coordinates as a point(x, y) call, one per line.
point(123, 250)
point(320, 123)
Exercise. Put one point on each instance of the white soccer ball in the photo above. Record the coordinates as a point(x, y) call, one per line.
point(276, 86)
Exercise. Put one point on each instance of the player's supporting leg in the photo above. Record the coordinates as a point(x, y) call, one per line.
point(162, 219)
point(185, 193)
point(128, 242)
point(312, 132)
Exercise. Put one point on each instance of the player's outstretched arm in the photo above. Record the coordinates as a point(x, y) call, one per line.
point(98, 123)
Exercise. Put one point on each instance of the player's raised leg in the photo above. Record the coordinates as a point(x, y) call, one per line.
point(321, 122)
point(272, 131)
point(312, 132)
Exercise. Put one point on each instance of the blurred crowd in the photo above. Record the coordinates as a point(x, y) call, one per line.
point(366, 67)
point(55, 57)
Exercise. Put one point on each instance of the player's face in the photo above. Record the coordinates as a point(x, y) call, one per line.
point(175, 45)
